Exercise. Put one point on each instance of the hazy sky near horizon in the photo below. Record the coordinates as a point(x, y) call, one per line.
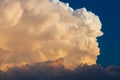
point(109, 14)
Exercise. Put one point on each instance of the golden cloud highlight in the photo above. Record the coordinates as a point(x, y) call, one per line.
point(33, 31)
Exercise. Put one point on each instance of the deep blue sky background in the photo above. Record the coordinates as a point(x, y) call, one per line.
point(109, 13)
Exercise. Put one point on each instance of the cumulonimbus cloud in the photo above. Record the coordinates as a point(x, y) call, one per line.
point(33, 31)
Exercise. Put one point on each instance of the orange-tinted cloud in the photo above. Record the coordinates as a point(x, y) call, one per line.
point(33, 31)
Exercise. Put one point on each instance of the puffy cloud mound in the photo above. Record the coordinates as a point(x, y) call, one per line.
point(33, 31)
point(46, 71)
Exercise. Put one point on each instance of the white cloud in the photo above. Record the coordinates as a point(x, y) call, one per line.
point(39, 30)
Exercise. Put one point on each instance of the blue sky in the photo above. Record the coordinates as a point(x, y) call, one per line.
point(109, 13)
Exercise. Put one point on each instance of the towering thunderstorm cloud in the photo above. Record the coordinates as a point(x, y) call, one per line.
point(33, 31)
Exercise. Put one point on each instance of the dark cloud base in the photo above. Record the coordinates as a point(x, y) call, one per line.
point(44, 71)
